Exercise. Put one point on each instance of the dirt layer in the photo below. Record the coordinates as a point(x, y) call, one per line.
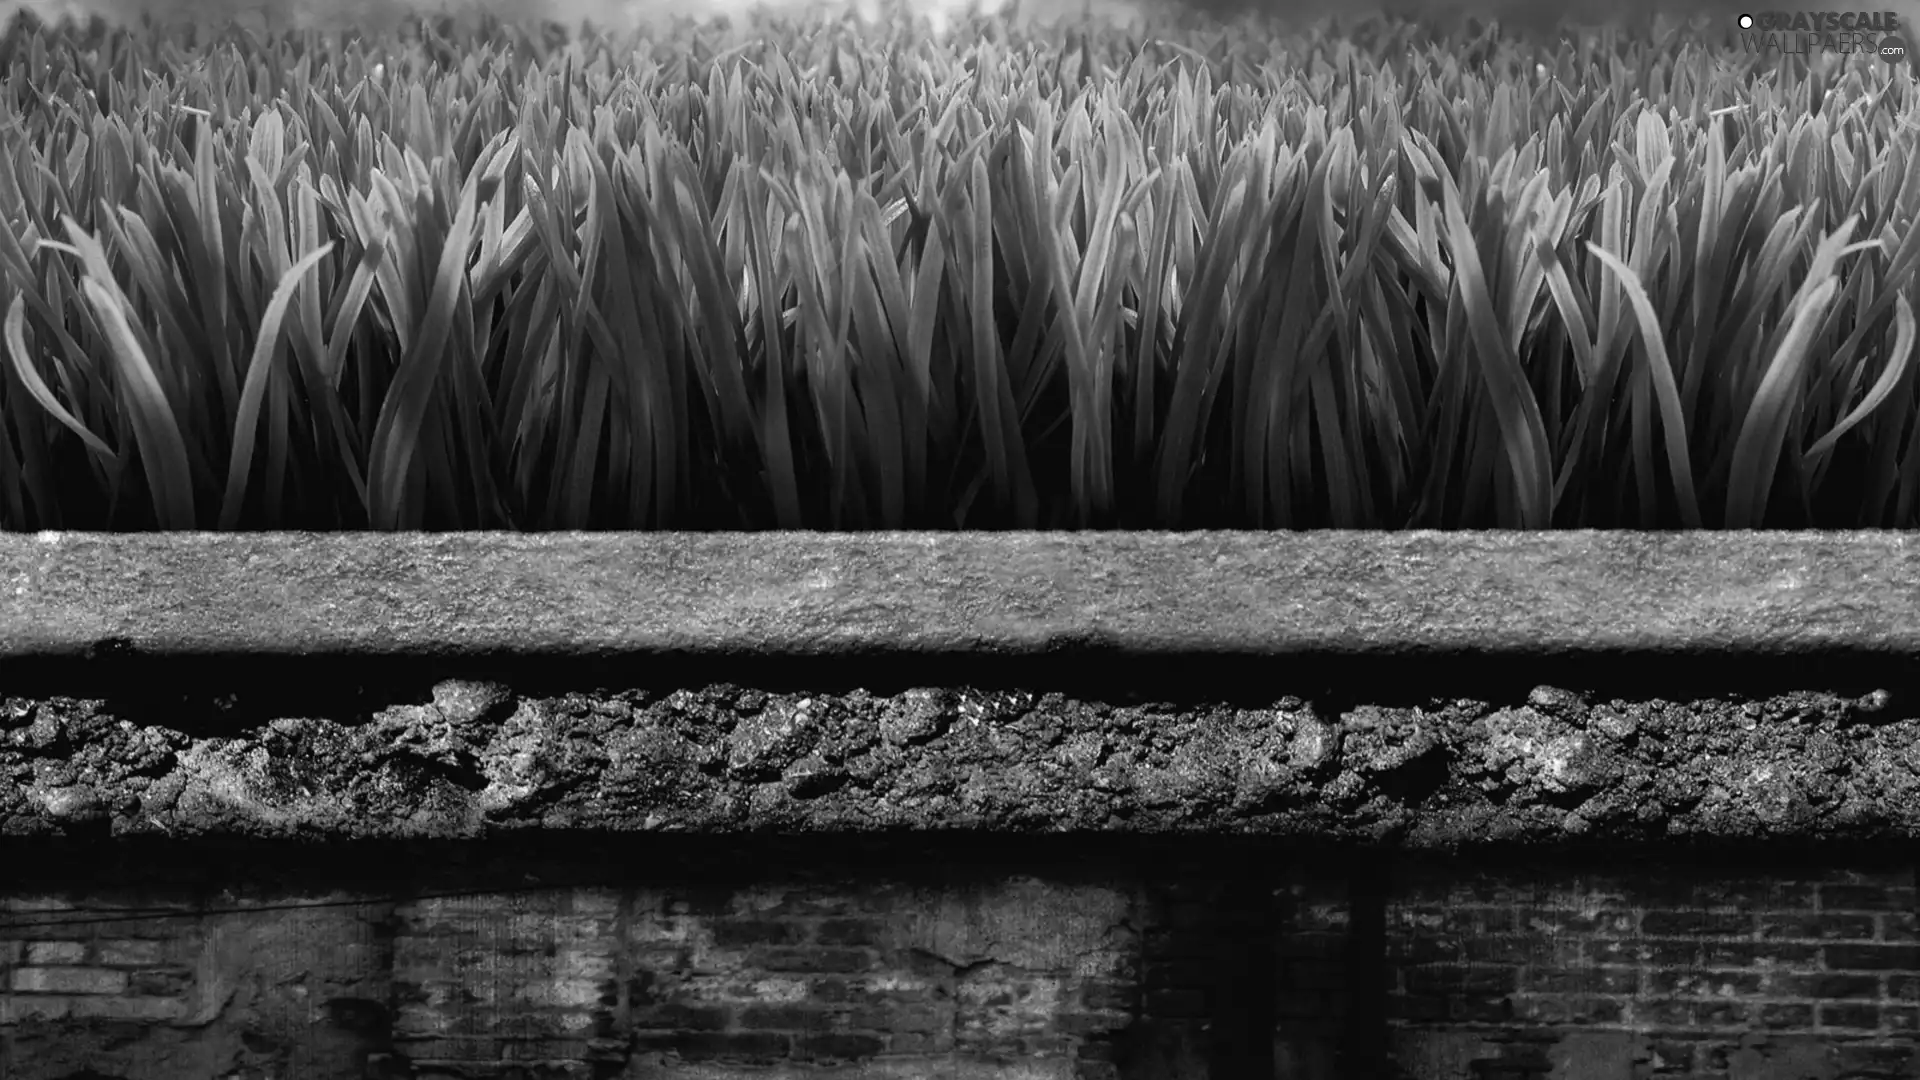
point(479, 760)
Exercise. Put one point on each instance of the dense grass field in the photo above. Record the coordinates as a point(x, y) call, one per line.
point(1160, 269)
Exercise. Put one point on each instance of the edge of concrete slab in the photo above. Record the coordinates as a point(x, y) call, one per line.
point(827, 594)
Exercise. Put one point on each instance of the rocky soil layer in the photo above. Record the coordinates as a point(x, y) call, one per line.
point(479, 759)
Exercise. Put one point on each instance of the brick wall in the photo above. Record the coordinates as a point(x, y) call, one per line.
point(1664, 971)
point(181, 983)
point(1263, 967)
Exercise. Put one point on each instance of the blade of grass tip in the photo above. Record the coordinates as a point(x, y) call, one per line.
point(1757, 450)
point(1006, 450)
point(1903, 353)
point(266, 347)
point(1167, 217)
point(1522, 429)
point(163, 451)
point(775, 438)
point(14, 475)
point(893, 455)
point(1194, 339)
point(397, 432)
point(30, 376)
point(204, 204)
point(1672, 417)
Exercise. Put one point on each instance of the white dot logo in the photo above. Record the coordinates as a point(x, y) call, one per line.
point(1746, 22)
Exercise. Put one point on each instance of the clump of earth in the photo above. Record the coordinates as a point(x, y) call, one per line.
point(469, 759)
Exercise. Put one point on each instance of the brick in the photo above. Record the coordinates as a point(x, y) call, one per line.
point(1825, 986)
point(19, 1010)
point(927, 1018)
point(1569, 1009)
point(131, 953)
point(11, 952)
point(1721, 954)
point(1704, 983)
point(1681, 889)
point(1667, 1013)
point(811, 960)
point(1094, 1025)
point(1322, 917)
point(1785, 1015)
point(1900, 1018)
point(1634, 952)
point(841, 1046)
point(1873, 957)
point(68, 980)
point(505, 1070)
point(546, 1049)
point(1101, 994)
point(500, 1024)
point(1866, 898)
point(1817, 927)
point(757, 1046)
point(1718, 1013)
point(1498, 920)
point(1429, 949)
point(128, 1008)
point(160, 982)
point(909, 990)
point(1696, 924)
point(1043, 1046)
point(1479, 1010)
point(744, 933)
point(1596, 1011)
point(1853, 1057)
point(1667, 1054)
point(1600, 923)
point(788, 1017)
point(675, 1015)
point(412, 1019)
point(851, 932)
point(563, 993)
point(1462, 980)
point(56, 952)
point(1505, 950)
point(1903, 987)
point(1855, 1015)
point(913, 1042)
point(454, 1049)
point(1417, 918)
point(1590, 980)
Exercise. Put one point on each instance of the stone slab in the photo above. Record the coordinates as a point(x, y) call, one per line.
point(822, 594)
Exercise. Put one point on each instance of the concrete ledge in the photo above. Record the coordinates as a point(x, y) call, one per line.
point(817, 594)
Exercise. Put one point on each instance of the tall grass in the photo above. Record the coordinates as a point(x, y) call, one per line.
point(812, 274)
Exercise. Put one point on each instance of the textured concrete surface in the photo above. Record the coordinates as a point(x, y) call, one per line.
point(479, 760)
point(814, 594)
